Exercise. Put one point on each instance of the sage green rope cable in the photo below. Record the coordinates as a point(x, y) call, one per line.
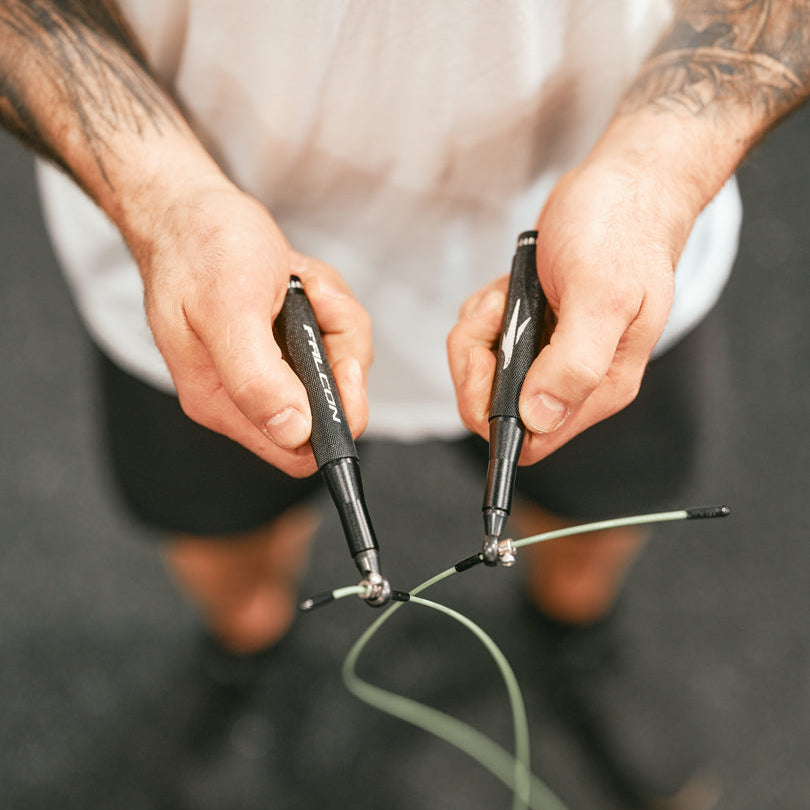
point(349, 590)
point(513, 771)
point(617, 523)
point(522, 758)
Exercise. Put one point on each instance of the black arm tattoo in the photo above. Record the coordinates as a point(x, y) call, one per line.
point(753, 52)
point(80, 53)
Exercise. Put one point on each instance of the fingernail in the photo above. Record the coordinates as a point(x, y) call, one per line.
point(544, 413)
point(288, 428)
point(494, 299)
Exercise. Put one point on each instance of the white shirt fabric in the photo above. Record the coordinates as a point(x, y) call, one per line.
point(405, 144)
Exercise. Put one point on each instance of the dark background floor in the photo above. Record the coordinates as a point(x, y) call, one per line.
point(101, 699)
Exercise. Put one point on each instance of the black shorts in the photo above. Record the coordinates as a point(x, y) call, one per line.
point(180, 477)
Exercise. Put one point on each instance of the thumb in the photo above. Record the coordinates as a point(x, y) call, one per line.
point(573, 364)
point(254, 374)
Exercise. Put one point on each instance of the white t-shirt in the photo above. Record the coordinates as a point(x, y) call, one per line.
point(405, 144)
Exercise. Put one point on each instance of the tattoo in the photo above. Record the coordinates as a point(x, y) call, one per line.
point(78, 53)
point(752, 52)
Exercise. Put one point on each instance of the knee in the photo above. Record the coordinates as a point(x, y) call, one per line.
point(256, 621)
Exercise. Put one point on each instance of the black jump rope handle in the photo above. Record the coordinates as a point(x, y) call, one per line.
point(520, 343)
point(335, 452)
point(521, 331)
point(300, 340)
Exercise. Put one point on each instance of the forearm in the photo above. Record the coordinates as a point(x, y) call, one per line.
point(724, 74)
point(215, 265)
point(75, 87)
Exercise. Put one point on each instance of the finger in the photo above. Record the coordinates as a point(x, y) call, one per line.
point(474, 301)
point(351, 382)
point(308, 268)
point(351, 373)
point(617, 390)
point(297, 462)
point(471, 357)
point(479, 324)
point(237, 333)
point(576, 360)
point(204, 400)
point(473, 396)
point(344, 323)
point(346, 330)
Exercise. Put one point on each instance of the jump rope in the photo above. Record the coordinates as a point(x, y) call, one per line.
point(336, 455)
point(513, 769)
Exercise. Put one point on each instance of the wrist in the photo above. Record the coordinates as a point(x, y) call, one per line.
point(675, 163)
point(145, 197)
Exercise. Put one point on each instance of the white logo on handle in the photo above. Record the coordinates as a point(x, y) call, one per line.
point(513, 335)
point(316, 356)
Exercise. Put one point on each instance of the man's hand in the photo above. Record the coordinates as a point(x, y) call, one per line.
point(76, 87)
point(607, 247)
point(612, 230)
point(215, 271)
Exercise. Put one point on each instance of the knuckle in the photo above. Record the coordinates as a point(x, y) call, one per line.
point(248, 391)
point(632, 389)
point(362, 320)
point(583, 375)
point(300, 468)
point(197, 410)
point(467, 421)
point(466, 308)
point(358, 422)
point(359, 335)
point(624, 393)
point(346, 315)
point(621, 303)
point(458, 349)
point(471, 417)
point(455, 341)
point(629, 391)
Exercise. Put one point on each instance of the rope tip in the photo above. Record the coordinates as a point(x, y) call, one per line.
point(701, 512)
point(469, 562)
point(316, 601)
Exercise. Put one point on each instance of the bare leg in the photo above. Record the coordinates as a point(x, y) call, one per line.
point(575, 579)
point(245, 585)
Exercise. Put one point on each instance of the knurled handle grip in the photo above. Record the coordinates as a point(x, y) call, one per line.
point(522, 328)
point(300, 340)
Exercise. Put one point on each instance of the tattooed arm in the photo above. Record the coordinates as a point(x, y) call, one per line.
point(75, 87)
point(613, 229)
point(721, 56)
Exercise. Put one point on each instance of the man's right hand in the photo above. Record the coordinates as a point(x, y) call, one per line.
point(214, 264)
point(215, 271)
